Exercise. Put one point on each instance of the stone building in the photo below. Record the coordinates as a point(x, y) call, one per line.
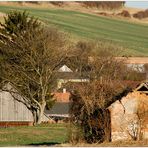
point(129, 116)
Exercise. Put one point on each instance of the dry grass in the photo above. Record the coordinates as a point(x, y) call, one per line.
point(111, 144)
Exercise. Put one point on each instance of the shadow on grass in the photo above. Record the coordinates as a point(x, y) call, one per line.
point(44, 144)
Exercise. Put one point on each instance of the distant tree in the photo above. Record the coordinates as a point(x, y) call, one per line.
point(57, 3)
point(141, 14)
point(30, 55)
point(18, 23)
point(124, 13)
point(111, 5)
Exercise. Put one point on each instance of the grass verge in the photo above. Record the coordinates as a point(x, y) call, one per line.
point(48, 134)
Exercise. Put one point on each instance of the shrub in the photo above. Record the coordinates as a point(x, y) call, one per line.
point(103, 13)
point(141, 14)
point(103, 5)
point(124, 13)
point(57, 3)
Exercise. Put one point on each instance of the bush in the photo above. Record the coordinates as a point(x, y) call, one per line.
point(103, 5)
point(103, 13)
point(57, 3)
point(124, 13)
point(141, 14)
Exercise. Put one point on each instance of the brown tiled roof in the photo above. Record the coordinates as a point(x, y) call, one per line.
point(62, 97)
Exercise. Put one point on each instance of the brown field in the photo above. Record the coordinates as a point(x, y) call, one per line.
point(111, 144)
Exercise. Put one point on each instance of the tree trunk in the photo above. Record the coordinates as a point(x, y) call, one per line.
point(40, 113)
point(107, 125)
point(34, 112)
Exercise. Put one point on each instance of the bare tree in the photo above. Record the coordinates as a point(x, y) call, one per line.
point(29, 62)
point(136, 126)
point(91, 99)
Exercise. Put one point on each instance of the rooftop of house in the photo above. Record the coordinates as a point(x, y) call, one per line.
point(134, 60)
point(64, 68)
point(59, 109)
point(143, 87)
point(62, 96)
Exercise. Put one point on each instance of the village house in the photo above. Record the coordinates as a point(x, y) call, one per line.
point(60, 110)
point(65, 74)
point(129, 116)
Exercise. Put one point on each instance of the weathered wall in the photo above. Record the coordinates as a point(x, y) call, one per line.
point(125, 116)
point(12, 110)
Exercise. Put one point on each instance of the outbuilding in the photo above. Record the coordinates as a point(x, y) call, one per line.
point(129, 116)
point(13, 112)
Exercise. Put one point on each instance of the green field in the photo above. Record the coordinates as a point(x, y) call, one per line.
point(49, 134)
point(132, 37)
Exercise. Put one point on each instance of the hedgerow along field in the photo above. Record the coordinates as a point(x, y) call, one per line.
point(44, 134)
point(133, 37)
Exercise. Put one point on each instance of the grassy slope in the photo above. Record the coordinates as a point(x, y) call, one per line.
point(39, 135)
point(133, 37)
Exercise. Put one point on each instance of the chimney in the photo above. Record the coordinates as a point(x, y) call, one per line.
point(64, 90)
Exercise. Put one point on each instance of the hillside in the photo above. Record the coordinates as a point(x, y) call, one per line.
point(133, 37)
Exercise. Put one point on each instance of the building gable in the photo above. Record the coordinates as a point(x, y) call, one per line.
point(64, 68)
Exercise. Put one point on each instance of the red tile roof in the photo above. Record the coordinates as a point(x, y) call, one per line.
point(62, 97)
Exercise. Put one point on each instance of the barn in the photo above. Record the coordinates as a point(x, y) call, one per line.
point(15, 113)
point(129, 116)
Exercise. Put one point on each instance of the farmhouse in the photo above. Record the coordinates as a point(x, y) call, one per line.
point(129, 116)
point(14, 112)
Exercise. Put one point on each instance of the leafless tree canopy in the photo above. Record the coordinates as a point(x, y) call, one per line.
point(29, 61)
point(91, 99)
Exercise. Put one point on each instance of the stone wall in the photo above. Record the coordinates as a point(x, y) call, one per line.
point(129, 117)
